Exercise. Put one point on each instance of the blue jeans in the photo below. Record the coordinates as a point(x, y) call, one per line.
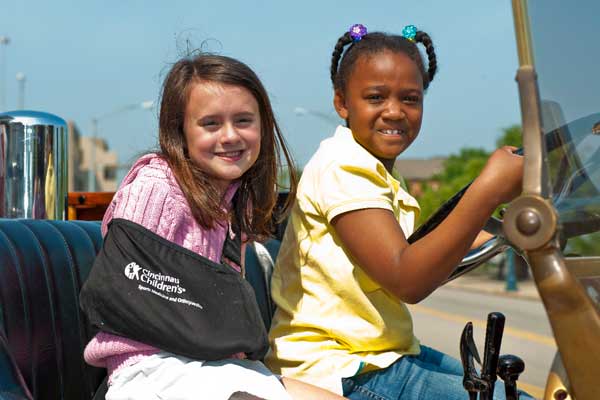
point(430, 375)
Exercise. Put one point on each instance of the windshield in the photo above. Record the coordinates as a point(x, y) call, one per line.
point(566, 60)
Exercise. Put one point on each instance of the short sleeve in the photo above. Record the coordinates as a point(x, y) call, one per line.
point(346, 187)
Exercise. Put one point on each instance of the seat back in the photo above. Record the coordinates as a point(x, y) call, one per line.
point(43, 265)
point(12, 384)
point(259, 262)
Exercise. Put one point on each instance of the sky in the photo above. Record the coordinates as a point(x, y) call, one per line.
point(89, 59)
point(567, 64)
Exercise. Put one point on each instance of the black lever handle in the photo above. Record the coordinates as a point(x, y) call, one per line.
point(472, 383)
point(509, 369)
point(491, 352)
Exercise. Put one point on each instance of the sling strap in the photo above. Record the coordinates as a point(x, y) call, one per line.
point(151, 290)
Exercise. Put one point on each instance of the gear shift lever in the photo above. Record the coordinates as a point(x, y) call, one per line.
point(491, 351)
point(509, 369)
point(472, 382)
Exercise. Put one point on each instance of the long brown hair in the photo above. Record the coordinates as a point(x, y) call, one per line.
point(257, 195)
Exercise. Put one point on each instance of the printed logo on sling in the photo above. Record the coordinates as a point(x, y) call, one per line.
point(160, 281)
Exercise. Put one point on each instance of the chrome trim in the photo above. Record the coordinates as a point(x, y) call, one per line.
point(522, 32)
point(33, 165)
point(478, 256)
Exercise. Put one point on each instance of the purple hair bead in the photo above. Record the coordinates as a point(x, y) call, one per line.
point(357, 31)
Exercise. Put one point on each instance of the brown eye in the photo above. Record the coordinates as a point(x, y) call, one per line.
point(244, 121)
point(374, 98)
point(208, 123)
point(412, 99)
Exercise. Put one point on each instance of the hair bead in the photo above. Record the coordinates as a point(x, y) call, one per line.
point(409, 32)
point(357, 31)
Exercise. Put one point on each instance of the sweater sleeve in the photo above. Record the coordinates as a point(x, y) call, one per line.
point(147, 201)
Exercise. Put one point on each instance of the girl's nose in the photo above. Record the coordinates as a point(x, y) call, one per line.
point(229, 134)
point(394, 110)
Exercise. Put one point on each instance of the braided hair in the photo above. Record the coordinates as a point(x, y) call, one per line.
point(376, 42)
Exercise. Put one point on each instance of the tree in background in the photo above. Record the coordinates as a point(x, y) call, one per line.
point(459, 170)
point(513, 136)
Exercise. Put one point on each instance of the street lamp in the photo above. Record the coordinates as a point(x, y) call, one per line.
point(4, 41)
point(329, 118)
point(21, 99)
point(144, 105)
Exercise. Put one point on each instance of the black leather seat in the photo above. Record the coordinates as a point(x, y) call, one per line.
point(42, 330)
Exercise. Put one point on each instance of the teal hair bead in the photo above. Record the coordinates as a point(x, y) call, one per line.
point(409, 32)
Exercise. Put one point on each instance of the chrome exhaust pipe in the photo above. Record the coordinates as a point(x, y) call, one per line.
point(33, 165)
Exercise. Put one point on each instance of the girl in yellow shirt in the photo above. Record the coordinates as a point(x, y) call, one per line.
point(345, 269)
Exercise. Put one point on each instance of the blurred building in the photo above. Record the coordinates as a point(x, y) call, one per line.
point(80, 155)
point(418, 171)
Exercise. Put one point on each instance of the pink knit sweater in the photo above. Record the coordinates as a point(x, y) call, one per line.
point(150, 196)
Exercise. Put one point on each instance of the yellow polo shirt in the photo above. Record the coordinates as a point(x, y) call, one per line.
point(332, 320)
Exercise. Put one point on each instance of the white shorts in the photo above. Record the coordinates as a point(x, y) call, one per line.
point(167, 376)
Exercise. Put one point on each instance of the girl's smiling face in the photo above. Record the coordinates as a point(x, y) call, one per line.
point(222, 128)
point(383, 104)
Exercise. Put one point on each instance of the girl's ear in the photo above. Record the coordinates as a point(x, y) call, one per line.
point(339, 102)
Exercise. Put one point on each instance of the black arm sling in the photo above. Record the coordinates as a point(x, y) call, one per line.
point(151, 290)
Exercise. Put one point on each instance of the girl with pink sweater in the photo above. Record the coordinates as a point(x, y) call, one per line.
point(216, 168)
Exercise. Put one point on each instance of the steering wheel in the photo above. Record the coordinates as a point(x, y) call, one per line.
point(559, 141)
point(475, 257)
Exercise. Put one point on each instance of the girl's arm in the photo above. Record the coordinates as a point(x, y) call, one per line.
point(375, 240)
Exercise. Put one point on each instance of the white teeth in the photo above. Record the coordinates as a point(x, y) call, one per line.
point(392, 131)
point(230, 153)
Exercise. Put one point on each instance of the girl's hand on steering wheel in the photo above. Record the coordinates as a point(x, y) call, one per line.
point(502, 176)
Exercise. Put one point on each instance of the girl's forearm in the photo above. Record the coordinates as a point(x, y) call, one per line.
point(425, 264)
